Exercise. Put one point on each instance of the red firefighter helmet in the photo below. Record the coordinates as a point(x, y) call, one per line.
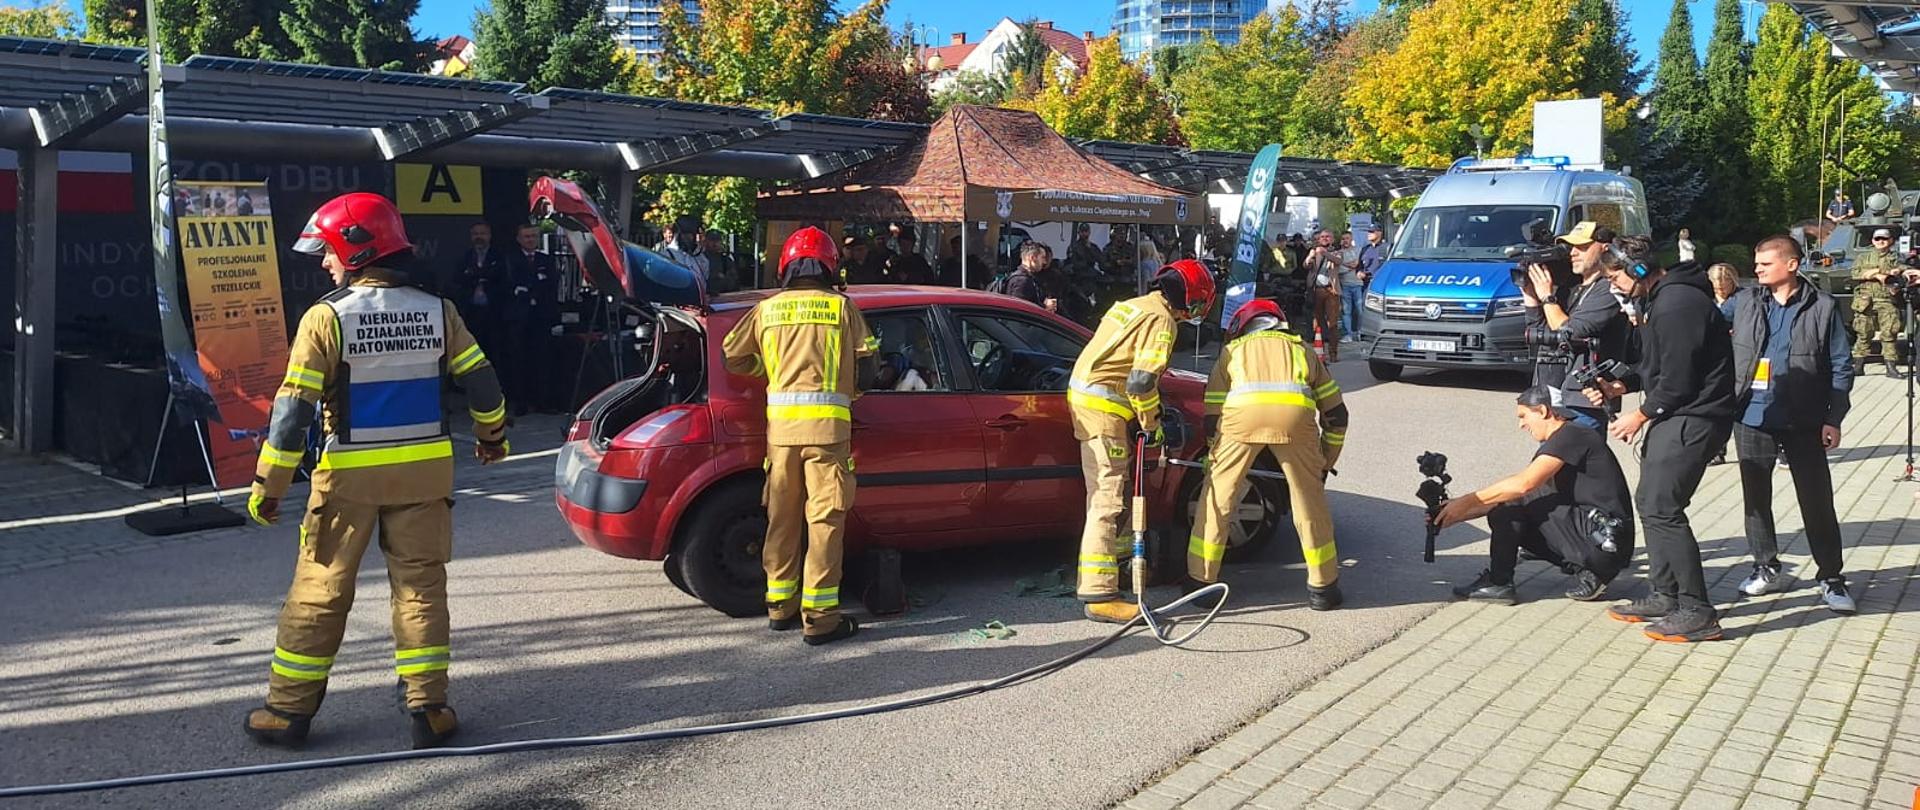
point(360, 228)
point(1245, 315)
point(1195, 279)
point(809, 243)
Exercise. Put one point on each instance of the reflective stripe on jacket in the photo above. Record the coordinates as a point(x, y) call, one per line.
point(369, 356)
point(1267, 389)
point(807, 343)
point(1134, 337)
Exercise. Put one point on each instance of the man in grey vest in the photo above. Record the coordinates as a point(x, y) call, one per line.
point(1793, 374)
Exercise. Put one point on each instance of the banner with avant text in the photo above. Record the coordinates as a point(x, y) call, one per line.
point(233, 293)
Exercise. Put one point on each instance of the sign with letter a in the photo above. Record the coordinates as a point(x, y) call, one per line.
point(436, 188)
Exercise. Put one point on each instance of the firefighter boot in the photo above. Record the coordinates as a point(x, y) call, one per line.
point(433, 725)
point(1324, 598)
point(274, 727)
point(1113, 611)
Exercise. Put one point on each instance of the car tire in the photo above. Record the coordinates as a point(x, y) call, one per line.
point(676, 574)
point(720, 551)
point(1384, 372)
point(1255, 533)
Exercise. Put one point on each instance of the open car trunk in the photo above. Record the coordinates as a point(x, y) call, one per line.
point(674, 371)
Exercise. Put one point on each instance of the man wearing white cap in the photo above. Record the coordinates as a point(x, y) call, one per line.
point(1874, 316)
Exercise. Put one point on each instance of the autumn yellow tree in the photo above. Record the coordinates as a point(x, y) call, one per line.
point(1468, 62)
point(1111, 99)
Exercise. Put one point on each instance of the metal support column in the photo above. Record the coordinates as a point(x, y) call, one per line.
point(624, 182)
point(34, 255)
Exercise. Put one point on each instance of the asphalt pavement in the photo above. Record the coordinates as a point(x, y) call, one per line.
point(146, 660)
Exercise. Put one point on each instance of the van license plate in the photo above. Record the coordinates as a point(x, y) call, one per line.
point(1431, 345)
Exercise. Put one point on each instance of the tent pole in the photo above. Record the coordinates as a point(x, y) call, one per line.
point(1139, 255)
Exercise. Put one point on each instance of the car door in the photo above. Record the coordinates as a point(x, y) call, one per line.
point(1020, 365)
point(917, 453)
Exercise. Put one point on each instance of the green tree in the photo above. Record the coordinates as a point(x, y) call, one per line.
point(1323, 24)
point(547, 43)
point(118, 22)
point(972, 87)
point(1240, 97)
point(1026, 62)
point(1677, 133)
point(789, 55)
point(1783, 155)
point(249, 29)
point(1724, 212)
point(1112, 99)
point(1317, 123)
point(354, 33)
point(1801, 99)
point(46, 21)
point(1607, 51)
point(1167, 62)
point(1468, 62)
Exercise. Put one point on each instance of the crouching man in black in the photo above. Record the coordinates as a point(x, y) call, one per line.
point(1570, 507)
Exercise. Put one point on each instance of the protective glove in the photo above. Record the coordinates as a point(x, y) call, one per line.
point(491, 452)
point(1154, 437)
point(261, 507)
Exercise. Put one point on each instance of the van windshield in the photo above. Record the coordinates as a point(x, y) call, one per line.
point(1476, 232)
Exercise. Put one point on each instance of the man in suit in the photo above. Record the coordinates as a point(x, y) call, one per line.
point(480, 286)
point(531, 313)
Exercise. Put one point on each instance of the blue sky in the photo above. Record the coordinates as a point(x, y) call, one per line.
point(1648, 18)
point(439, 18)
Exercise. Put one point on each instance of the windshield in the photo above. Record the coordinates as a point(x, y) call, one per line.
point(1467, 231)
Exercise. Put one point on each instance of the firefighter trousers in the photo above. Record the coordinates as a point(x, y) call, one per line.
point(1305, 466)
point(1104, 463)
point(809, 492)
point(417, 539)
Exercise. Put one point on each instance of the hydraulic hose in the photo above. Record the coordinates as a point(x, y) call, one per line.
point(557, 743)
point(1150, 617)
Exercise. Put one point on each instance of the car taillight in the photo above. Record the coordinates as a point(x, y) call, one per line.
point(674, 425)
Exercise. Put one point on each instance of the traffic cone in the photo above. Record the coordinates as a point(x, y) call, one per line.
point(1319, 346)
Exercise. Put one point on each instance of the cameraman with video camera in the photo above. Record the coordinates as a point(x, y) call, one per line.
point(1578, 326)
point(1685, 366)
point(1570, 507)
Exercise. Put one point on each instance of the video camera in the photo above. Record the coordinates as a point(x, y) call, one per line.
point(1559, 341)
point(1542, 249)
point(1603, 371)
point(1432, 492)
point(1904, 289)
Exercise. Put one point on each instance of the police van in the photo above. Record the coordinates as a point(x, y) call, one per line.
point(1445, 297)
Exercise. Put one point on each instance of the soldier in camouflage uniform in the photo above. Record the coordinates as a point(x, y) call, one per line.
point(1874, 315)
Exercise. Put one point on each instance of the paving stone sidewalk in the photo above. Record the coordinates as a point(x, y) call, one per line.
point(1551, 704)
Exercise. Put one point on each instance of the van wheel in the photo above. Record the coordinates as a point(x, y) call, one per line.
point(1384, 372)
point(720, 552)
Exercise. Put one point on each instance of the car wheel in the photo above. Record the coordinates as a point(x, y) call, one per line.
point(1384, 372)
point(1256, 519)
point(720, 552)
point(675, 573)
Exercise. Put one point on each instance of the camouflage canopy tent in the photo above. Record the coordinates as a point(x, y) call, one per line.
point(985, 164)
point(982, 165)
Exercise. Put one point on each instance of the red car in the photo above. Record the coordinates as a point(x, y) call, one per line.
point(667, 465)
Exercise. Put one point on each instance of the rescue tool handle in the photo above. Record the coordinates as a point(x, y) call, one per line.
point(1267, 474)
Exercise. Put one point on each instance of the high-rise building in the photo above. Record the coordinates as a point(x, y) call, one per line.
point(1144, 25)
point(636, 23)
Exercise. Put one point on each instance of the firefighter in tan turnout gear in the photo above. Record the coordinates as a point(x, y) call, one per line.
point(807, 341)
point(371, 354)
point(1115, 390)
point(1263, 396)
